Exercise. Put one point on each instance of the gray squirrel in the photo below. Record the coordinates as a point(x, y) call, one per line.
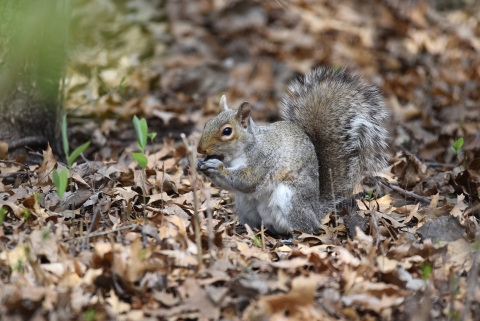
point(289, 174)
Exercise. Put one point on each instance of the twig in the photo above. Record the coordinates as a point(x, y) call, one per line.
point(98, 209)
point(435, 164)
point(26, 170)
point(144, 191)
point(470, 210)
point(161, 191)
point(104, 232)
point(375, 225)
point(263, 236)
point(13, 174)
point(12, 162)
point(196, 217)
point(208, 198)
point(407, 193)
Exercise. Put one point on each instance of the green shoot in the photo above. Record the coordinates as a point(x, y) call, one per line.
point(141, 129)
point(370, 197)
point(19, 266)
point(457, 145)
point(64, 135)
point(141, 159)
point(90, 315)
point(257, 241)
point(26, 214)
point(3, 213)
point(122, 83)
point(427, 271)
point(152, 136)
point(80, 149)
point(60, 180)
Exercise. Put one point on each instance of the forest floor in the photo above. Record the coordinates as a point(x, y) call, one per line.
point(409, 253)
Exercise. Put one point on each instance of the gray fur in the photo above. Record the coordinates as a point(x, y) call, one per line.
point(280, 172)
point(346, 119)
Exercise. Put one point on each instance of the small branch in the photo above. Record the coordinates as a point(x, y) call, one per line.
point(104, 232)
point(435, 164)
point(13, 174)
point(206, 193)
point(263, 236)
point(470, 210)
point(12, 162)
point(407, 193)
point(144, 191)
point(196, 216)
point(97, 210)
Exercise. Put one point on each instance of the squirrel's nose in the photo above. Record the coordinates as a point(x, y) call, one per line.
point(201, 150)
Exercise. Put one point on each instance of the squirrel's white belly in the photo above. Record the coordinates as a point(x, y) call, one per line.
point(271, 205)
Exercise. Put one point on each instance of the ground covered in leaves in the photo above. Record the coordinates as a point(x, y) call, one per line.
point(409, 253)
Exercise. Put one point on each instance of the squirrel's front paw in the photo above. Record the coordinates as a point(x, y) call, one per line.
point(209, 166)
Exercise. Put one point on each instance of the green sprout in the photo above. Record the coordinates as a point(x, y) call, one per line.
point(141, 128)
point(19, 266)
point(90, 315)
point(26, 214)
point(426, 271)
point(370, 197)
point(457, 145)
point(3, 213)
point(60, 180)
point(257, 241)
point(80, 149)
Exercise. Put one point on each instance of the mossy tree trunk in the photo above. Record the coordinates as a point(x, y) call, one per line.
point(33, 38)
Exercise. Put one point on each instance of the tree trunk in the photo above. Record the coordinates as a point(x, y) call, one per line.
point(33, 39)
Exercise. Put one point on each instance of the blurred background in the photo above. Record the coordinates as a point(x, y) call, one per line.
point(175, 59)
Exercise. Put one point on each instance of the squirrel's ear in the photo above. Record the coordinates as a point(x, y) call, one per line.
point(223, 103)
point(243, 114)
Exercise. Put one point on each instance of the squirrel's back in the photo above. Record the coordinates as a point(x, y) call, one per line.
point(346, 119)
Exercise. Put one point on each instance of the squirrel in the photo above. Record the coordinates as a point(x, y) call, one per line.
point(290, 174)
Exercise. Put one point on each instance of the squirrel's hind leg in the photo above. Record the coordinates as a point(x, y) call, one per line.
point(246, 207)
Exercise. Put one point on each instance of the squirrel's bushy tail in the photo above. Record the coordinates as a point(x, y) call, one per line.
point(346, 119)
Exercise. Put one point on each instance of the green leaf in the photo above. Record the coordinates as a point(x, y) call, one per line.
point(80, 149)
point(3, 213)
point(257, 241)
point(141, 129)
point(152, 136)
point(122, 83)
point(60, 179)
point(427, 271)
point(141, 159)
point(457, 145)
point(64, 135)
point(26, 214)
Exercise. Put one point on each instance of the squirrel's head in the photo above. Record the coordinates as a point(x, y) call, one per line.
point(224, 134)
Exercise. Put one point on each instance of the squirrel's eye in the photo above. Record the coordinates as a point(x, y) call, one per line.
point(227, 131)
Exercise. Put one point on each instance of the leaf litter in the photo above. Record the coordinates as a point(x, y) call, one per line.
point(410, 252)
